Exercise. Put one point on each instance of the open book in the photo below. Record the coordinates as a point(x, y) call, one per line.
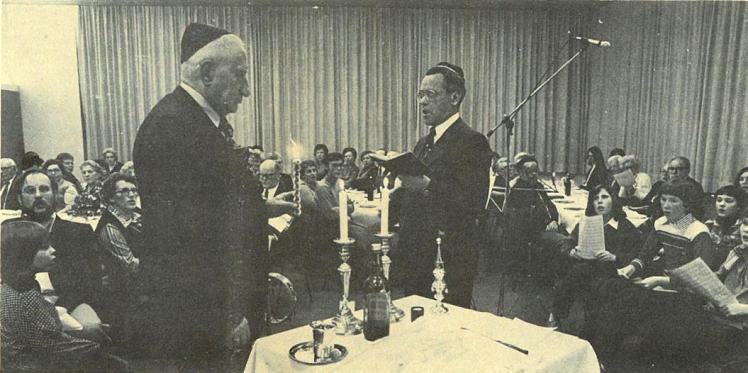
point(699, 278)
point(406, 164)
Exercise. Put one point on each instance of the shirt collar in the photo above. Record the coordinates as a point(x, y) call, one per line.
point(613, 223)
point(683, 223)
point(271, 191)
point(124, 220)
point(209, 111)
point(444, 126)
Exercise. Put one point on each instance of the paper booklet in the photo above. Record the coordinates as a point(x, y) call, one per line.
point(591, 236)
point(697, 277)
point(625, 178)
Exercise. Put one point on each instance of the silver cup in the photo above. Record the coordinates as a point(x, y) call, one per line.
point(324, 335)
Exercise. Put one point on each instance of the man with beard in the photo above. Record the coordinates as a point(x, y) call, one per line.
point(76, 276)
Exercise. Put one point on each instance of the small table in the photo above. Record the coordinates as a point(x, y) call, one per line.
point(461, 340)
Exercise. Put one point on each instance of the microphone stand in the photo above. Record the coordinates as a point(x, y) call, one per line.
point(508, 122)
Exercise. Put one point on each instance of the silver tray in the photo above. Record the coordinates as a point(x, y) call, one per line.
point(304, 353)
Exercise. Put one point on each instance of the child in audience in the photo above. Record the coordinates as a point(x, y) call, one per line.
point(725, 227)
point(32, 335)
point(621, 239)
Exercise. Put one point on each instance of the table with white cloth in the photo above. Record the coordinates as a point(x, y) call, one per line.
point(571, 209)
point(461, 340)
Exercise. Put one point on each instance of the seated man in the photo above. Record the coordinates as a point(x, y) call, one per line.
point(285, 181)
point(76, 277)
point(366, 180)
point(679, 168)
point(9, 178)
point(120, 234)
point(270, 177)
point(32, 337)
point(532, 217)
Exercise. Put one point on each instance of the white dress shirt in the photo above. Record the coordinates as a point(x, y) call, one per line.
point(212, 114)
point(444, 126)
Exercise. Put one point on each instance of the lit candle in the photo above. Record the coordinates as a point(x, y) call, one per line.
point(385, 223)
point(343, 208)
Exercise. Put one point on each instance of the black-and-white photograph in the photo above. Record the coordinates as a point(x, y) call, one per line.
point(269, 186)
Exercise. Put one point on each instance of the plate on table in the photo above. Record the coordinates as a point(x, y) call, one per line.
point(572, 208)
point(304, 353)
point(368, 205)
point(555, 195)
point(563, 201)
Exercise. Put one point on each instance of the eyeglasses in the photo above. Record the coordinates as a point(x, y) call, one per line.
point(677, 168)
point(126, 191)
point(32, 189)
point(267, 176)
point(428, 93)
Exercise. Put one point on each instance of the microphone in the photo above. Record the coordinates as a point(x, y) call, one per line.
point(595, 42)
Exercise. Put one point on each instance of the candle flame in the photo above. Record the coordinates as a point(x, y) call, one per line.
point(295, 150)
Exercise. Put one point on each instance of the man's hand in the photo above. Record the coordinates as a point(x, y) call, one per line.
point(280, 204)
point(574, 253)
point(627, 271)
point(416, 183)
point(654, 281)
point(605, 256)
point(734, 310)
point(239, 338)
point(552, 226)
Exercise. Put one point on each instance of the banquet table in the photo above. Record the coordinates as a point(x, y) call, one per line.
point(571, 209)
point(461, 340)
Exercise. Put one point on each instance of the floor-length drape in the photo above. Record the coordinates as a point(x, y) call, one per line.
point(339, 76)
point(673, 82)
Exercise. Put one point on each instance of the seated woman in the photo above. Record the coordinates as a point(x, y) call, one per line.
point(88, 202)
point(66, 191)
point(350, 169)
point(742, 179)
point(635, 194)
point(120, 240)
point(621, 239)
point(725, 227)
point(597, 173)
point(32, 334)
point(366, 180)
point(632, 307)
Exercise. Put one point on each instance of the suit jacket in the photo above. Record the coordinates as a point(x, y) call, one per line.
point(285, 184)
point(204, 224)
point(9, 196)
point(459, 170)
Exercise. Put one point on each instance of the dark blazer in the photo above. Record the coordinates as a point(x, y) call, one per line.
point(76, 275)
point(459, 171)
point(204, 224)
point(9, 197)
point(285, 184)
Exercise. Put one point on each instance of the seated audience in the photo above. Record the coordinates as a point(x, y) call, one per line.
point(270, 175)
point(10, 188)
point(635, 194)
point(120, 238)
point(533, 218)
point(584, 273)
point(320, 153)
point(69, 166)
point(285, 179)
point(725, 227)
point(617, 151)
point(110, 163)
point(366, 180)
point(679, 169)
point(76, 276)
point(308, 170)
point(32, 334)
point(635, 309)
point(350, 169)
point(66, 191)
point(128, 168)
point(597, 173)
point(742, 179)
point(93, 175)
point(254, 159)
point(31, 160)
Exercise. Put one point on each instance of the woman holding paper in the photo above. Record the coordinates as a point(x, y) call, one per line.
point(589, 265)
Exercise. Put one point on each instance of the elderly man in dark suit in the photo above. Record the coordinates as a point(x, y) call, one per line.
point(451, 197)
point(204, 219)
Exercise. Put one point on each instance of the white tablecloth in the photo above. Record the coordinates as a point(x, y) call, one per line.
point(460, 341)
point(571, 209)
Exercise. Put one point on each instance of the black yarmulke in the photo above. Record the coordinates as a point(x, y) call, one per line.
point(196, 36)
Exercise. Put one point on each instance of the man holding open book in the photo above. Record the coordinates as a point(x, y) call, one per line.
point(450, 196)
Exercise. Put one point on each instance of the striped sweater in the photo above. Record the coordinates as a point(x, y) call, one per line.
point(677, 243)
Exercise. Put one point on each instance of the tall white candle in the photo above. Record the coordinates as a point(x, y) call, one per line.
point(343, 207)
point(385, 222)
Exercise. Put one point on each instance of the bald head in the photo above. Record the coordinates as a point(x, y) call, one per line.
point(219, 72)
point(9, 168)
point(269, 173)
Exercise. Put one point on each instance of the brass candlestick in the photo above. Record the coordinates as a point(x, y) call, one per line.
point(396, 314)
point(345, 322)
point(439, 286)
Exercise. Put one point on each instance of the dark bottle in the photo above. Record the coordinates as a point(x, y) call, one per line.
point(567, 184)
point(376, 299)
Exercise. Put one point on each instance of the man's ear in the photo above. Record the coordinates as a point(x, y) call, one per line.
point(455, 98)
point(207, 71)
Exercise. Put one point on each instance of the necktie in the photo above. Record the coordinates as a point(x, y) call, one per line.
point(265, 196)
point(430, 139)
point(227, 131)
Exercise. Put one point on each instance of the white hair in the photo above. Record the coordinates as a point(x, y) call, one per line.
point(7, 162)
point(224, 48)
